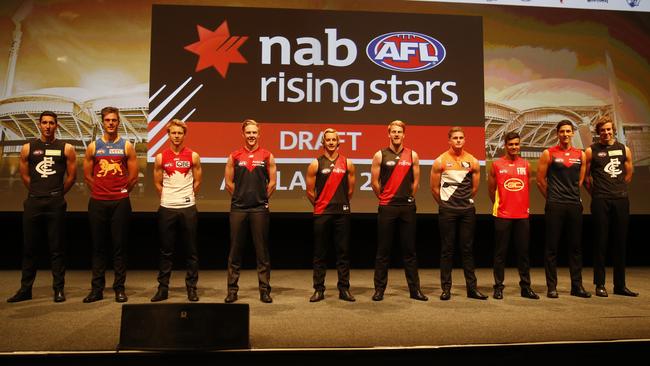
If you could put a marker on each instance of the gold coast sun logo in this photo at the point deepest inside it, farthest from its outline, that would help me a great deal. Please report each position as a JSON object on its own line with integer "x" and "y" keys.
{"x": 513, "y": 184}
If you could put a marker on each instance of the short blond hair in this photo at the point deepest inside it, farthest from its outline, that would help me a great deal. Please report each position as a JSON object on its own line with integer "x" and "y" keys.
{"x": 397, "y": 123}
{"x": 178, "y": 123}
{"x": 248, "y": 122}
{"x": 325, "y": 132}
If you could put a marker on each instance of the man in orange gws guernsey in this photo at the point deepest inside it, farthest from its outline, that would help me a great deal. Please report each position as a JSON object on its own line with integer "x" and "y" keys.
{"x": 330, "y": 182}
{"x": 508, "y": 182}
{"x": 111, "y": 171}
{"x": 250, "y": 178}
{"x": 395, "y": 175}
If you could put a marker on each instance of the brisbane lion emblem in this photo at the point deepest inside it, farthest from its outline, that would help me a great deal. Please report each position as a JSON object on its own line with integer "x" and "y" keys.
{"x": 106, "y": 167}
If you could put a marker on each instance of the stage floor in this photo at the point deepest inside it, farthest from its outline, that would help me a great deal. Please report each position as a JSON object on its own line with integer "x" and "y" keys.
{"x": 291, "y": 322}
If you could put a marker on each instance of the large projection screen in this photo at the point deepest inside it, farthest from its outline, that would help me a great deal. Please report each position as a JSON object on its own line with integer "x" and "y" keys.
{"x": 298, "y": 69}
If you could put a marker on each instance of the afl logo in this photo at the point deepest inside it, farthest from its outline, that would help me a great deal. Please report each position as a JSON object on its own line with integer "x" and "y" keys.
{"x": 406, "y": 51}
{"x": 513, "y": 184}
{"x": 602, "y": 154}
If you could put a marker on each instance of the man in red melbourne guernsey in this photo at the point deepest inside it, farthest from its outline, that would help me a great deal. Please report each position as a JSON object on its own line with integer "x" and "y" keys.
{"x": 330, "y": 183}
{"x": 48, "y": 169}
{"x": 177, "y": 177}
{"x": 508, "y": 182}
{"x": 250, "y": 178}
{"x": 111, "y": 172}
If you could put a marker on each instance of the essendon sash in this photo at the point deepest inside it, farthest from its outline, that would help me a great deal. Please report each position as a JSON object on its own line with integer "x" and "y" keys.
{"x": 333, "y": 181}
{"x": 400, "y": 170}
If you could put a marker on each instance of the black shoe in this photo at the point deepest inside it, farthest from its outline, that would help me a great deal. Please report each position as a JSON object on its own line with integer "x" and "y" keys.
{"x": 601, "y": 291}
{"x": 474, "y": 293}
{"x": 579, "y": 291}
{"x": 625, "y": 292}
{"x": 379, "y": 294}
{"x": 161, "y": 294}
{"x": 21, "y": 296}
{"x": 232, "y": 297}
{"x": 265, "y": 297}
{"x": 345, "y": 295}
{"x": 552, "y": 294}
{"x": 317, "y": 296}
{"x": 418, "y": 295}
{"x": 93, "y": 296}
{"x": 498, "y": 293}
{"x": 445, "y": 295}
{"x": 59, "y": 296}
{"x": 192, "y": 295}
{"x": 120, "y": 296}
{"x": 528, "y": 292}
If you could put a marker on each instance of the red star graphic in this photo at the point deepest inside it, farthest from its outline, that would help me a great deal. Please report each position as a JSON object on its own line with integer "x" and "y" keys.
{"x": 217, "y": 49}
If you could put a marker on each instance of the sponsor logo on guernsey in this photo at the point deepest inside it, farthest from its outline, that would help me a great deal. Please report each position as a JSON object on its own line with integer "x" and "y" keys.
{"x": 521, "y": 171}
{"x": 258, "y": 163}
{"x": 49, "y": 152}
{"x": 465, "y": 164}
{"x": 402, "y": 162}
{"x": 338, "y": 170}
{"x": 116, "y": 151}
{"x": 616, "y": 153}
{"x": 182, "y": 164}
{"x": 406, "y": 51}
{"x": 513, "y": 184}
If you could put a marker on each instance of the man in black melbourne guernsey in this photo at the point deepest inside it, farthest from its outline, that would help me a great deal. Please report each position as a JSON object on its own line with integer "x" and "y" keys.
{"x": 560, "y": 173}
{"x": 330, "y": 184}
{"x": 48, "y": 169}
{"x": 250, "y": 179}
{"x": 609, "y": 171}
{"x": 395, "y": 175}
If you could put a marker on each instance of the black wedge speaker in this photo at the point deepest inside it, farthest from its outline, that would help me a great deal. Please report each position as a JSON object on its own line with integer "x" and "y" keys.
{"x": 184, "y": 327}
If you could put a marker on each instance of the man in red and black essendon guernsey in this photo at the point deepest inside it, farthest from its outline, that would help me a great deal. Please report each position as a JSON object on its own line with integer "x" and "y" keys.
{"x": 508, "y": 182}
{"x": 250, "y": 179}
{"x": 395, "y": 175}
{"x": 330, "y": 183}
{"x": 560, "y": 173}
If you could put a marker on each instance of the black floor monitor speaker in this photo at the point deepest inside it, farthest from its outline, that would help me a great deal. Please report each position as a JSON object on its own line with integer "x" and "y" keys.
{"x": 178, "y": 327}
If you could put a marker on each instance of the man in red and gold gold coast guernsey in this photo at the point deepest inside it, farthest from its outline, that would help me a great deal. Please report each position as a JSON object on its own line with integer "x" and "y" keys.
{"x": 111, "y": 171}
{"x": 455, "y": 176}
{"x": 560, "y": 173}
{"x": 395, "y": 175}
{"x": 250, "y": 179}
{"x": 508, "y": 182}
{"x": 330, "y": 183}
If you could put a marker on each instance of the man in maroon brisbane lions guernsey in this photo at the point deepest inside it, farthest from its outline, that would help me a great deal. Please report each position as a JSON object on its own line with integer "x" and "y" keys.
{"x": 609, "y": 171}
{"x": 48, "y": 169}
{"x": 177, "y": 177}
{"x": 454, "y": 180}
{"x": 111, "y": 171}
{"x": 250, "y": 178}
{"x": 395, "y": 175}
{"x": 560, "y": 172}
{"x": 330, "y": 182}
{"x": 508, "y": 182}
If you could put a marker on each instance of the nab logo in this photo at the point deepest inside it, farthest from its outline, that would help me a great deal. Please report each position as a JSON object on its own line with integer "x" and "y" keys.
{"x": 217, "y": 49}
{"x": 406, "y": 51}
{"x": 513, "y": 184}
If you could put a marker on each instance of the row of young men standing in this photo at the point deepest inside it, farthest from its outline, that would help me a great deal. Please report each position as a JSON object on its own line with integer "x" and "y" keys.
{"x": 250, "y": 179}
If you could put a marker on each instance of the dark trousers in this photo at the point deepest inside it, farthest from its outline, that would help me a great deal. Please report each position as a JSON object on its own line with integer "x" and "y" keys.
{"x": 109, "y": 225}
{"x": 175, "y": 224}
{"x": 519, "y": 231}
{"x": 404, "y": 219}
{"x": 457, "y": 224}
{"x": 563, "y": 223}
{"x": 43, "y": 217}
{"x": 257, "y": 224}
{"x": 336, "y": 228}
{"x": 611, "y": 218}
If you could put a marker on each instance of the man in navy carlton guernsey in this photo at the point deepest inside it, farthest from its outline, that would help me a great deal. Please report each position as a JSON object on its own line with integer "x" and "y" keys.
{"x": 330, "y": 183}
{"x": 560, "y": 173}
{"x": 111, "y": 171}
{"x": 44, "y": 163}
{"x": 395, "y": 175}
{"x": 608, "y": 172}
{"x": 250, "y": 178}
{"x": 177, "y": 177}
